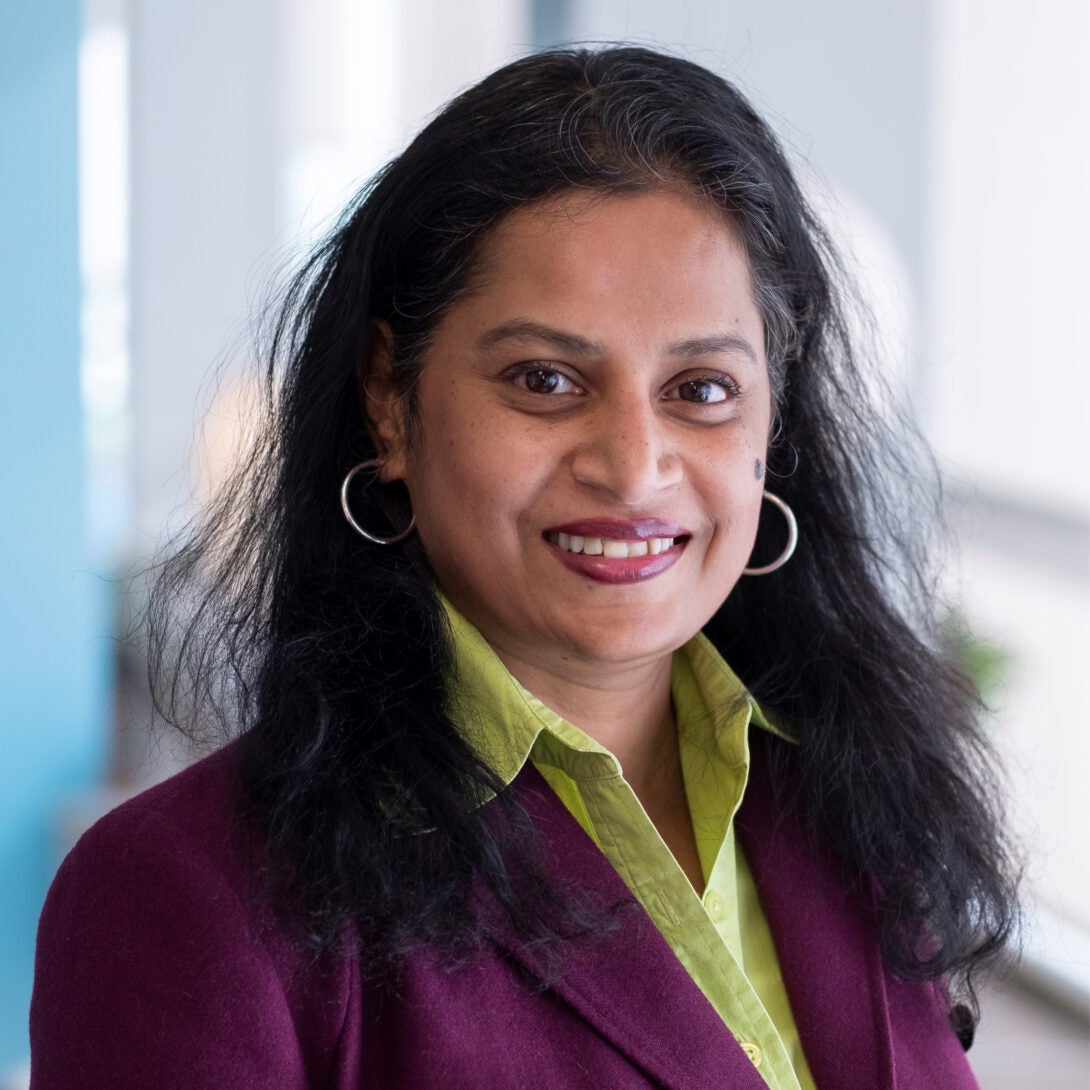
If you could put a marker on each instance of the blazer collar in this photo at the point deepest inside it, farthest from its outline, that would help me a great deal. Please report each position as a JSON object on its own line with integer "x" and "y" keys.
{"x": 628, "y": 983}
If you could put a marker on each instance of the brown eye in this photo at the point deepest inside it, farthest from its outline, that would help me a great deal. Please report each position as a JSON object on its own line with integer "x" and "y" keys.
{"x": 542, "y": 382}
{"x": 545, "y": 380}
{"x": 704, "y": 391}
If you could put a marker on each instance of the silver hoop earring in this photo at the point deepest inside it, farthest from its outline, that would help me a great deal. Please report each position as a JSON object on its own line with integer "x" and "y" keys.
{"x": 371, "y": 463}
{"x": 792, "y": 538}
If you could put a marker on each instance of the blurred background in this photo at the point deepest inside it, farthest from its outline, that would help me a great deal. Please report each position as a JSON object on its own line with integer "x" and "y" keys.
{"x": 162, "y": 163}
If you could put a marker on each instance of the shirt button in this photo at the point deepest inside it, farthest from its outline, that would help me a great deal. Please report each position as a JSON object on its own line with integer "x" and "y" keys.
{"x": 753, "y": 1052}
{"x": 714, "y": 904}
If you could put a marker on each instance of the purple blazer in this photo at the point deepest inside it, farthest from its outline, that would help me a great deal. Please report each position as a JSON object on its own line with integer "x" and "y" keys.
{"x": 156, "y": 968}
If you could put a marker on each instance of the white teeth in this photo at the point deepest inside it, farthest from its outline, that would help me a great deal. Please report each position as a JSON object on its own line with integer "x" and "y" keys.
{"x": 614, "y": 550}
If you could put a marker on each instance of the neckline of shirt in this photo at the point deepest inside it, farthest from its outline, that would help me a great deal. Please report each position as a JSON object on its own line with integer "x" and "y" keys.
{"x": 505, "y": 722}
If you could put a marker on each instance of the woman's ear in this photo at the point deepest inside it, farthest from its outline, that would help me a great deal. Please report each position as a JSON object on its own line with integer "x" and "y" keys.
{"x": 384, "y": 407}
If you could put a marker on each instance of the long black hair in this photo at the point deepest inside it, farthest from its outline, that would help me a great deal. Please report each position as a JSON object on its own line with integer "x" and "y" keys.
{"x": 330, "y": 653}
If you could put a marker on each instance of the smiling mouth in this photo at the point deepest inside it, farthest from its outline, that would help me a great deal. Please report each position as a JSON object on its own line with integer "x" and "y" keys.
{"x": 612, "y": 548}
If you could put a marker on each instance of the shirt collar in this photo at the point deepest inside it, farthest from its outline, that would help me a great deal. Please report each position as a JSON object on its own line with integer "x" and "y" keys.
{"x": 505, "y": 722}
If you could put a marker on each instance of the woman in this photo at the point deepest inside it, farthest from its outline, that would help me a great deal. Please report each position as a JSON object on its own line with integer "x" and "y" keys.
{"x": 543, "y": 414}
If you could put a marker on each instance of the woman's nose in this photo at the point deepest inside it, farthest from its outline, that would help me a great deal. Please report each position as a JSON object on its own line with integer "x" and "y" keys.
{"x": 627, "y": 452}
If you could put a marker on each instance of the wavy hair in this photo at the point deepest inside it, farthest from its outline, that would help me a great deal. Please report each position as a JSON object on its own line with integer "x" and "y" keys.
{"x": 330, "y": 653}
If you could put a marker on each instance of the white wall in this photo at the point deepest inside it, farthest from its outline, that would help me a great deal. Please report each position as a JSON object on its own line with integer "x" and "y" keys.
{"x": 1010, "y": 278}
{"x": 1009, "y": 394}
{"x": 206, "y": 149}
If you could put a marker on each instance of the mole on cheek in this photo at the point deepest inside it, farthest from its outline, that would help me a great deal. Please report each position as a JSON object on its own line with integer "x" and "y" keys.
{"x": 758, "y": 469}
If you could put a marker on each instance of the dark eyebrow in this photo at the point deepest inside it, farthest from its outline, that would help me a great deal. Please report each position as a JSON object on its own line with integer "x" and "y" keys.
{"x": 573, "y": 344}
{"x": 721, "y": 342}
{"x": 525, "y": 330}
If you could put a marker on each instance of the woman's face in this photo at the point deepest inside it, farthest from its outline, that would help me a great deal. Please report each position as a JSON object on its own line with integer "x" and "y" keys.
{"x": 586, "y": 464}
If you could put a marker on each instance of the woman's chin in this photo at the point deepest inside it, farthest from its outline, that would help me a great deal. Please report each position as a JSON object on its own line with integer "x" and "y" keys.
{"x": 605, "y": 644}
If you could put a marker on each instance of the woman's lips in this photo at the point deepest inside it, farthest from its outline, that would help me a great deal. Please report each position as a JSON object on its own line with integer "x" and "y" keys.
{"x": 617, "y": 550}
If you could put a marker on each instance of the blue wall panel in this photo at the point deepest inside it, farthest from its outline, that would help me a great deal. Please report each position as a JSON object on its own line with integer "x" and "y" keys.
{"x": 53, "y": 645}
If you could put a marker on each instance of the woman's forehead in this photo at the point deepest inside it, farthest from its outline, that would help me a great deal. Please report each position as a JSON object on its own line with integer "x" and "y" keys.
{"x": 642, "y": 227}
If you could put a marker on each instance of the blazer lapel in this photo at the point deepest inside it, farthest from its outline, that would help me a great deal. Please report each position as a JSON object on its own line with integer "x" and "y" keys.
{"x": 627, "y": 984}
{"x": 826, "y": 942}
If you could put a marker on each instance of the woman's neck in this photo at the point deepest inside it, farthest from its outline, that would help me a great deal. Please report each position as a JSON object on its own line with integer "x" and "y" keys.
{"x": 626, "y": 709}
